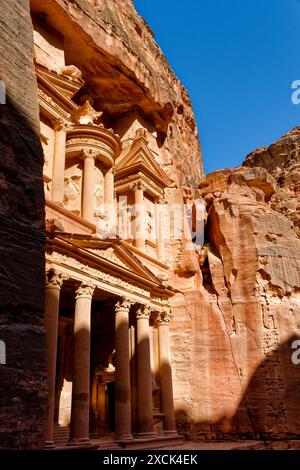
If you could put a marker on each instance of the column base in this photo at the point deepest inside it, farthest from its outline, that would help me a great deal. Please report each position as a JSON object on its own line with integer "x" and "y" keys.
{"x": 145, "y": 435}
{"x": 171, "y": 433}
{"x": 124, "y": 437}
{"x": 79, "y": 442}
{"x": 49, "y": 445}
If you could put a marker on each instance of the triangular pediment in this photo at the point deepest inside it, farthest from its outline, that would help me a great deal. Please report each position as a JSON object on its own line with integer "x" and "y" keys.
{"x": 141, "y": 159}
{"x": 58, "y": 86}
{"x": 113, "y": 254}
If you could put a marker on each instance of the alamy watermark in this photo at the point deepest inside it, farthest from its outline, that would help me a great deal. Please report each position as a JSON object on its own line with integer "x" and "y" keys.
{"x": 2, "y": 92}
{"x": 2, "y": 352}
{"x": 296, "y": 354}
{"x": 295, "y": 97}
{"x": 161, "y": 221}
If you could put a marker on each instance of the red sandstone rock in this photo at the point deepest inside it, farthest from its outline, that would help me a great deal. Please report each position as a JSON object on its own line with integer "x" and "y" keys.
{"x": 247, "y": 317}
{"x": 237, "y": 306}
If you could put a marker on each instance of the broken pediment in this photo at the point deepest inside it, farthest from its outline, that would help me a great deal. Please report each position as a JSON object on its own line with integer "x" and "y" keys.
{"x": 58, "y": 87}
{"x": 140, "y": 159}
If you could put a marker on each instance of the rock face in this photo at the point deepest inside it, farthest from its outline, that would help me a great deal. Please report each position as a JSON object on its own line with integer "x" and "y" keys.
{"x": 126, "y": 71}
{"x": 23, "y": 388}
{"x": 282, "y": 160}
{"x": 242, "y": 323}
{"x": 236, "y": 313}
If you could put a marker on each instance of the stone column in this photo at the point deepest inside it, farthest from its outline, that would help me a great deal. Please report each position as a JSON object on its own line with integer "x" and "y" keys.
{"x": 144, "y": 377}
{"x": 59, "y": 157}
{"x": 88, "y": 185}
{"x": 79, "y": 429}
{"x": 122, "y": 374}
{"x": 159, "y": 222}
{"x": 133, "y": 362}
{"x": 109, "y": 188}
{"x": 109, "y": 196}
{"x": 139, "y": 222}
{"x": 52, "y": 295}
{"x": 165, "y": 372}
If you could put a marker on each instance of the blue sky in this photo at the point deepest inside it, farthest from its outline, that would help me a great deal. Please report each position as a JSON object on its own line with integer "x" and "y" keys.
{"x": 237, "y": 58}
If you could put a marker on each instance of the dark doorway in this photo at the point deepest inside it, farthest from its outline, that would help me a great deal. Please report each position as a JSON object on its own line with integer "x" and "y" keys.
{"x": 110, "y": 406}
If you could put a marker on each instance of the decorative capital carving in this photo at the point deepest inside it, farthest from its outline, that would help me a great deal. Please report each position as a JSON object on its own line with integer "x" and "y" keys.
{"x": 123, "y": 304}
{"x": 144, "y": 311}
{"x": 164, "y": 316}
{"x": 61, "y": 125}
{"x": 138, "y": 185}
{"x": 85, "y": 291}
{"x": 54, "y": 280}
{"x": 160, "y": 200}
{"x": 88, "y": 154}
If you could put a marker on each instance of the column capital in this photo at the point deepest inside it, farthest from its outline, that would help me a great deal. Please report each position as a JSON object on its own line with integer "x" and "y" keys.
{"x": 160, "y": 201}
{"x": 61, "y": 124}
{"x": 123, "y": 304}
{"x": 138, "y": 186}
{"x": 108, "y": 170}
{"x": 54, "y": 280}
{"x": 85, "y": 291}
{"x": 88, "y": 154}
{"x": 144, "y": 311}
{"x": 165, "y": 316}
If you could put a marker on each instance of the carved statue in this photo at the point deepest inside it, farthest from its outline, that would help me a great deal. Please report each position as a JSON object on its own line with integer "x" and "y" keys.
{"x": 125, "y": 225}
{"x": 98, "y": 194}
{"x": 72, "y": 194}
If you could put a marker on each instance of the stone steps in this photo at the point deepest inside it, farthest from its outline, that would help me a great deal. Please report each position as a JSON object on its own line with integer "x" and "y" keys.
{"x": 153, "y": 443}
{"x": 60, "y": 435}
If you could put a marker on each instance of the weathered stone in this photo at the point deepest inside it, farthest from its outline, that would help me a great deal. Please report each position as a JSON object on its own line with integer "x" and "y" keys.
{"x": 23, "y": 393}
{"x": 282, "y": 160}
{"x": 243, "y": 326}
{"x": 234, "y": 314}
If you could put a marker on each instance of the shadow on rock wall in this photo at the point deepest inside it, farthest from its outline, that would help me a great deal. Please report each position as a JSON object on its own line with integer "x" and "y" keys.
{"x": 269, "y": 408}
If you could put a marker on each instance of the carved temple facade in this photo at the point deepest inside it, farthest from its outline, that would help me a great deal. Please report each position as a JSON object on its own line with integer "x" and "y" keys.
{"x": 107, "y": 298}
{"x": 171, "y": 299}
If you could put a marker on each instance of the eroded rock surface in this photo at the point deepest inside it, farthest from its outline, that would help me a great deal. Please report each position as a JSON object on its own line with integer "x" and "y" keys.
{"x": 23, "y": 387}
{"x": 282, "y": 160}
{"x": 243, "y": 321}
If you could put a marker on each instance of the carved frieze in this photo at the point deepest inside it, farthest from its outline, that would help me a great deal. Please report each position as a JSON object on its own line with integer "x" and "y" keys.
{"x": 73, "y": 263}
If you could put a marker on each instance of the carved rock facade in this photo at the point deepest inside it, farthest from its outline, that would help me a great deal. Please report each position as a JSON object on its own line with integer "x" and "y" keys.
{"x": 171, "y": 301}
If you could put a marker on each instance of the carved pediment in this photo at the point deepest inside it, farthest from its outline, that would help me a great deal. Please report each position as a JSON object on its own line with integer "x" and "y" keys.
{"x": 110, "y": 254}
{"x": 113, "y": 254}
{"x": 140, "y": 159}
{"x": 59, "y": 87}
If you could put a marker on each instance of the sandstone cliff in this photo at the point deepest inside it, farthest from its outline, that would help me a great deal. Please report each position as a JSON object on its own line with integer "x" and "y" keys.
{"x": 23, "y": 388}
{"x": 242, "y": 322}
{"x": 282, "y": 160}
{"x": 237, "y": 312}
